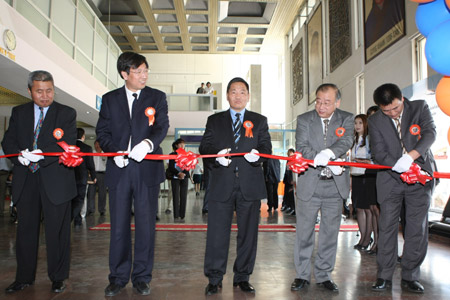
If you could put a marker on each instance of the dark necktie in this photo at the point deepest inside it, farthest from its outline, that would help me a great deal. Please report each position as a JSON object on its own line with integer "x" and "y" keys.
{"x": 133, "y": 106}
{"x": 237, "y": 128}
{"x": 399, "y": 132}
{"x": 34, "y": 166}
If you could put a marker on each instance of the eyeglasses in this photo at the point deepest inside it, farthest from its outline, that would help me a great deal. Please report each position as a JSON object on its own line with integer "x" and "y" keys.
{"x": 140, "y": 71}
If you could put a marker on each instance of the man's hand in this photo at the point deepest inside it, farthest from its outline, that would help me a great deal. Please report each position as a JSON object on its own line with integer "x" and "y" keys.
{"x": 252, "y": 157}
{"x": 403, "y": 164}
{"x": 322, "y": 158}
{"x": 223, "y": 160}
{"x": 139, "y": 151}
{"x": 121, "y": 161}
{"x": 33, "y": 155}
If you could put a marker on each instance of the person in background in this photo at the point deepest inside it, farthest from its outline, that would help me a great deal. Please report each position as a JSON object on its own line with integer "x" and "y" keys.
{"x": 196, "y": 176}
{"x": 133, "y": 121}
{"x": 180, "y": 183}
{"x": 236, "y": 185}
{"x": 5, "y": 170}
{"x": 81, "y": 177}
{"x": 396, "y": 141}
{"x": 201, "y": 89}
{"x": 41, "y": 185}
{"x": 272, "y": 178}
{"x": 100, "y": 168}
{"x": 323, "y": 134}
{"x": 289, "y": 188}
{"x": 209, "y": 89}
{"x": 362, "y": 197}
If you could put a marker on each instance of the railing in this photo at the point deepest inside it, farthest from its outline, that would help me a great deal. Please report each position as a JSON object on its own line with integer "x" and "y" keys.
{"x": 192, "y": 102}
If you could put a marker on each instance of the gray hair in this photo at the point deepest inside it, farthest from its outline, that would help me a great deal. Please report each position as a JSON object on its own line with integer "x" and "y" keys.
{"x": 39, "y": 75}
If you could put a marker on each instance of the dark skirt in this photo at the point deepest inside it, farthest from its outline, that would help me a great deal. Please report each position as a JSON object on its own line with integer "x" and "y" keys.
{"x": 364, "y": 192}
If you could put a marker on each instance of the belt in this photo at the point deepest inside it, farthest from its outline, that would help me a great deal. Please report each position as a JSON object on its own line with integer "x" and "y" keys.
{"x": 100, "y": 172}
{"x": 325, "y": 178}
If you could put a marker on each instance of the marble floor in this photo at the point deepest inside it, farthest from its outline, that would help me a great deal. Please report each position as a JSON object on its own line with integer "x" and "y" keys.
{"x": 178, "y": 270}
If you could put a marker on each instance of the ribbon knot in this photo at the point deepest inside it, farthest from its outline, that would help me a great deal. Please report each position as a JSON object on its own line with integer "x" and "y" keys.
{"x": 415, "y": 174}
{"x": 186, "y": 160}
{"x": 70, "y": 157}
{"x": 297, "y": 163}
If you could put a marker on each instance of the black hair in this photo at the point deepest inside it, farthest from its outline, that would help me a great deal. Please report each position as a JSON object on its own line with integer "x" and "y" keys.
{"x": 80, "y": 133}
{"x": 129, "y": 60}
{"x": 371, "y": 110}
{"x": 386, "y": 94}
{"x": 237, "y": 79}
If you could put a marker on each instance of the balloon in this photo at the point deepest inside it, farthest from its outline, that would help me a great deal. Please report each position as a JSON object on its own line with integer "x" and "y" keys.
{"x": 437, "y": 49}
{"x": 443, "y": 95}
{"x": 448, "y": 3}
{"x": 430, "y": 15}
{"x": 423, "y": 1}
{"x": 448, "y": 135}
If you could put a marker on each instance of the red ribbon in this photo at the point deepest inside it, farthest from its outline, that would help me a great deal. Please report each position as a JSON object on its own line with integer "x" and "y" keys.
{"x": 186, "y": 160}
{"x": 415, "y": 174}
{"x": 70, "y": 157}
{"x": 297, "y": 163}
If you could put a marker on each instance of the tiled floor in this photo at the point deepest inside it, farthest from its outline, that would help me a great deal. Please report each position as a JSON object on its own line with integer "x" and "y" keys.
{"x": 178, "y": 270}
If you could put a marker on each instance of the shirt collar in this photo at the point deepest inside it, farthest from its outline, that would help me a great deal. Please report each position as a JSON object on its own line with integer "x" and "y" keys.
{"x": 130, "y": 93}
{"x": 233, "y": 114}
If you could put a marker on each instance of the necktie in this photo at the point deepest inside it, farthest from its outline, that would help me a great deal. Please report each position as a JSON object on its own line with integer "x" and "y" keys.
{"x": 34, "y": 166}
{"x": 133, "y": 106}
{"x": 325, "y": 131}
{"x": 399, "y": 132}
{"x": 237, "y": 128}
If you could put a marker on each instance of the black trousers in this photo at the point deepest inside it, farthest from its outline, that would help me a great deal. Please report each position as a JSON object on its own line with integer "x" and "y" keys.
{"x": 101, "y": 195}
{"x": 78, "y": 202}
{"x": 32, "y": 203}
{"x": 220, "y": 215}
{"x": 179, "y": 196}
{"x": 272, "y": 194}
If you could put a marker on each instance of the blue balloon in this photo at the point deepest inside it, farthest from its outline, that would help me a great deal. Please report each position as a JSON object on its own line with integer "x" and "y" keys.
{"x": 437, "y": 48}
{"x": 429, "y": 15}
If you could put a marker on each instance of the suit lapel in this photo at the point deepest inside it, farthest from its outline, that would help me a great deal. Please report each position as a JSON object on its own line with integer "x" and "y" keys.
{"x": 29, "y": 123}
{"x": 123, "y": 103}
{"x": 48, "y": 124}
{"x": 317, "y": 129}
{"x": 228, "y": 123}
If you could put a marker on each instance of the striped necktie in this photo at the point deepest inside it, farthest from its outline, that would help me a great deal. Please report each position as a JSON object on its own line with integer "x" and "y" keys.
{"x": 237, "y": 128}
{"x": 34, "y": 166}
{"x": 399, "y": 132}
{"x": 325, "y": 131}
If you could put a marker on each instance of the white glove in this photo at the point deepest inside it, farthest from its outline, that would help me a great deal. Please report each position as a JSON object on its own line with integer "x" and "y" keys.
{"x": 403, "y": 164}
{"x": 223, "y": 160}
{"x": 23, "y": 160}
{"x": 336, "y": 170}
{"x": 323, "y": 157}
{"x": 32, "y": 156}
{"x": 139, "y": 151}
{"x": 252, "y": 157}
{"x": 121, "y": 161}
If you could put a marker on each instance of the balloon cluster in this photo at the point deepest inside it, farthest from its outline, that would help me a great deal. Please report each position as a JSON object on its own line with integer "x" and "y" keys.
{"x": 433, "y": 21}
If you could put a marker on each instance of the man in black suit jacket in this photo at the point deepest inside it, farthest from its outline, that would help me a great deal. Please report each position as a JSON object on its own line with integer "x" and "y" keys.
{"x": 40, "y": 183}
{"x": 133, "y": 121}
{"x": 235, "y": 185}
{"x": 81, "y": 177}
{"x": 388, "y": 147}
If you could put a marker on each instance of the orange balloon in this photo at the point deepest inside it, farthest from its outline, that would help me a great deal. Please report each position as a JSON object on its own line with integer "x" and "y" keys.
{"x": 448, "y": 3}
{"x": 448, "y": 135}
{"x": 424, "y": 1}
{"x": 443, "y": 95}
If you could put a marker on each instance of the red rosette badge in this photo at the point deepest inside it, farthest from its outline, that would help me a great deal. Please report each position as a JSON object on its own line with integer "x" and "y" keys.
{"x": 340, "y": 131}
{"x": 58, "y": 133}
{"x": 415, "y": 130}
{"x": 248, "y": 125}
{"x": 150, "y": 113}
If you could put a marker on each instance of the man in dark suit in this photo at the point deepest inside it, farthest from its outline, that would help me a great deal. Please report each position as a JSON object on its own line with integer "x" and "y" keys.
{"x": 41, "y": 184}
{"x": 323, "y": 134}
{"x": 272, "y": 176}
{"x": 235, "y": 185}
{"x": 133, "y": 120}
{"x": 394, "y": 142}
{"x": 81, "y": 177}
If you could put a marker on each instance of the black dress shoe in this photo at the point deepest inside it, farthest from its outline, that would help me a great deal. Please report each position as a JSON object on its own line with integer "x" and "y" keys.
{"x": 112, "y": 289}
{"x": 142, "y": 288}
{"x": 212, "y": 289}
{"x": 298, "y": 284}
{"x": 16, "y": 286}
{"x": 413, "y": 286}
{"x": 58, "y": 286}
{"x": 381, "y": 284}
{"x": 329, "y": 285}
{"x": 245, "y": 286}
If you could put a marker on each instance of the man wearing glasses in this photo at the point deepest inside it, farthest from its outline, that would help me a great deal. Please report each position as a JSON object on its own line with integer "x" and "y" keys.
{"x": 133, "y": 121}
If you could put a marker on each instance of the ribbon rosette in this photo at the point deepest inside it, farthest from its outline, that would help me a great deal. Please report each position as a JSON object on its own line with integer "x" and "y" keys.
{"x": 297, "y": 163}
{"x": 415, "y": 174}
{"x": 340, "y": 131}
{"x": 186, "y": 160}
{"x": 69, "y": 157}
{"x": 415, "y": 130}
{"x": 248, "y": 125}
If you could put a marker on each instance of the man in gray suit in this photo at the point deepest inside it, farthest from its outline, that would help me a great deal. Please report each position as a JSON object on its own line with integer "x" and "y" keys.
{"x": 323, "y": 134}
{"x": 401, "y": 133}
